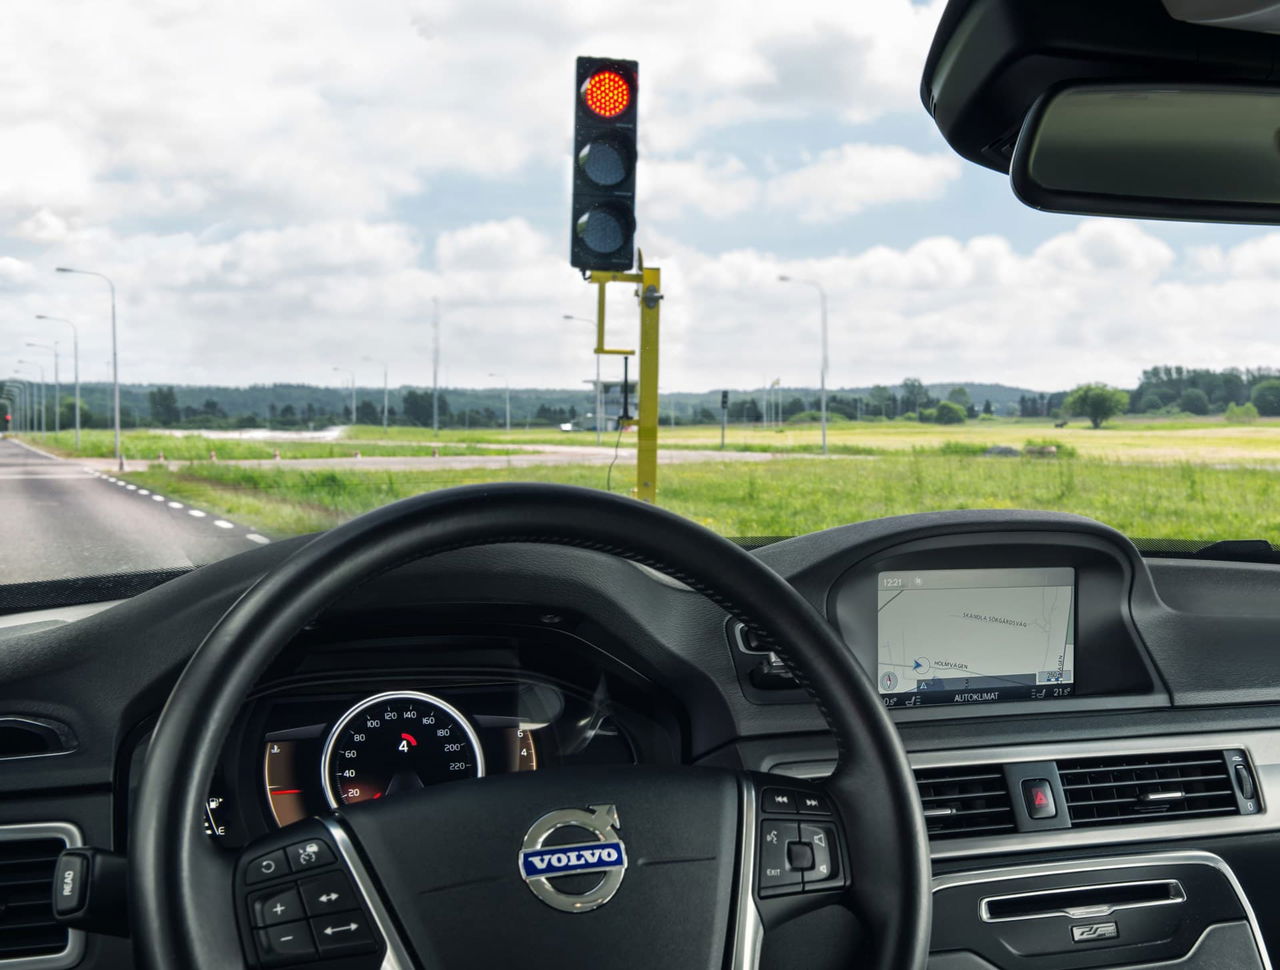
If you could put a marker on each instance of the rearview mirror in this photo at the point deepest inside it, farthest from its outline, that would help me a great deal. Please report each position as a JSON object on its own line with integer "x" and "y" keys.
{"x": 1204, "y": 152}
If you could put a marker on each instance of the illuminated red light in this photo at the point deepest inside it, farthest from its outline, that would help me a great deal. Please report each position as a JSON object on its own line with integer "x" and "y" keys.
{"x": 607, "y": 93}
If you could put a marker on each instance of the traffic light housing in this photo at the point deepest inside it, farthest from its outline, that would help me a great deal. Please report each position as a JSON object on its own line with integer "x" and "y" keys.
{"x": 603, "y": 230}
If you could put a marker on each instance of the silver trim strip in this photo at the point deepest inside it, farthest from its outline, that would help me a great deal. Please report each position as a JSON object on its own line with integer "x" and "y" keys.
{"x": 397, "y": 957}
{"x": 1188, "y": 857}
{"x": 37, "y": 722}
{"x": 1263, "y": 748}
{"x": 748, "y": 930}
{"x": 72, "y": 953}
{"x": 1176, "y": 895}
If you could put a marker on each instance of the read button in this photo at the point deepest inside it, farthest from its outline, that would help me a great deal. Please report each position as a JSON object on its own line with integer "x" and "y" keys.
{"x": 1037, "y": 795}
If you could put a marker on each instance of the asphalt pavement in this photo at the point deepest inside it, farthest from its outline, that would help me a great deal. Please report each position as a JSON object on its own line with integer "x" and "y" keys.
{"x": 61, "y": 519}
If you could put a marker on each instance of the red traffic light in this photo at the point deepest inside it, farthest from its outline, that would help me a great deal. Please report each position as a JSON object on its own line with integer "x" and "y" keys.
{"x": 607, "y": 93}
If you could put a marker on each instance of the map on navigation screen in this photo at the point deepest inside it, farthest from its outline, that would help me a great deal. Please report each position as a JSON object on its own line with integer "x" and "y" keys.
{"x": 956, "y": 636}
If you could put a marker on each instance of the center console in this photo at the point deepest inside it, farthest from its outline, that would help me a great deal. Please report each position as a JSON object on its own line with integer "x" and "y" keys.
{"x": 1164, "y": 910}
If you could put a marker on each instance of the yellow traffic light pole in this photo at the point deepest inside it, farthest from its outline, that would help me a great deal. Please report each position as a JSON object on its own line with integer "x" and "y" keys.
{"x": 649, "y": 295}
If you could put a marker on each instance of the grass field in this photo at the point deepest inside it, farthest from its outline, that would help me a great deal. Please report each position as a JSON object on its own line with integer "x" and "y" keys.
{"x": 791, "y": 496}
{"x": 1175, "y": 440}
{"x": 1176, "y": 478}
{"x": 148, "y": 446}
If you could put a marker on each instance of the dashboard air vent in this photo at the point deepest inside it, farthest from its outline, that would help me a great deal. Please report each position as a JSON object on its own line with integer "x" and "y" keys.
{"x": 1147, "y": 788}
{"x": 27, "y": 926}
{"x": 965, "y": 800}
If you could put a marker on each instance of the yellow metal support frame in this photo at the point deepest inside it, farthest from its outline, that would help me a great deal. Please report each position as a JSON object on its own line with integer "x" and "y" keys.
{"x": 649, "y": 295}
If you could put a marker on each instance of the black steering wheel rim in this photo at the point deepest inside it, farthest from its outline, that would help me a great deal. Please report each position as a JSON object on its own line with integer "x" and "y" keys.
{"x": 180, "y": 902}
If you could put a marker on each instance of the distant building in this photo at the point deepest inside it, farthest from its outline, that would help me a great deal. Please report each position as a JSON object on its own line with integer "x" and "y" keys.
{"x": 611, "y": 410}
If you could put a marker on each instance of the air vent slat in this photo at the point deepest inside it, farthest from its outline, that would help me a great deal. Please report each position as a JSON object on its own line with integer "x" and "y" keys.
{"x": 965, "y": 800}
{"x": 27, "y": 924}
{"x": 1123, "y": 789}
{"x": 1171, "y": 782}
{"x": 1131, "y": 763}
{"x": 986, "y": 792}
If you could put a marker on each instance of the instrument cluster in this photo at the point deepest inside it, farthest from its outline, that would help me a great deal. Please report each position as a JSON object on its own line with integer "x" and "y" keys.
{"x": 317, "y": 750}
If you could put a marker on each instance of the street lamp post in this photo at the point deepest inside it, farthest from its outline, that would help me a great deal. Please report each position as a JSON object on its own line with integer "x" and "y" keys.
{"x": 14, "y": 385}
{"x": 75, "y": 363}
{"x": 19, "y": 403}
{"x": 57, "y": 384}
{"x": 115, "y": 358}
{"x": 384, "y": 389}
{"x": 507, "y": 384}
{"x": 435, "y": 365}
{"x": 40, "y": 367}
{"x": 599, "y": 398}
{"x": 822, "y": 301}
{"x": 352, "y": 374}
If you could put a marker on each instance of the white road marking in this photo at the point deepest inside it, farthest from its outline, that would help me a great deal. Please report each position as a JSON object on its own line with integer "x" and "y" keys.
{"x": 196, "y": 512}
{"x": 223, "y": 524}
{"x": 132, "y": 488}
{"x": 175, "y": 505}
{"x": 260, "y": 540}
{"x": 157, "y": 498}
{"x": 143, "y": 491}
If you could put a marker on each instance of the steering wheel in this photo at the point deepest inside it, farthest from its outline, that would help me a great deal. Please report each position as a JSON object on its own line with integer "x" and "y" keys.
{"x": 606, "y": 867}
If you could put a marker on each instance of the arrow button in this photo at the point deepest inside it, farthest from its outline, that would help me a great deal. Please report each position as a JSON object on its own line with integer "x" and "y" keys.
{"x": 343, "y": 933}
{"x": 330, "y": 893}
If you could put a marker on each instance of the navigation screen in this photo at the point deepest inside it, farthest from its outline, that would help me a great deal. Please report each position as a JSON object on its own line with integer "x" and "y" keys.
{"x": 961, "y": 636}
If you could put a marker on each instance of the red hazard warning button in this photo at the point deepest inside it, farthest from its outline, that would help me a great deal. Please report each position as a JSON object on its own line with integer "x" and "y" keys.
{"x": 1037, "y": 795}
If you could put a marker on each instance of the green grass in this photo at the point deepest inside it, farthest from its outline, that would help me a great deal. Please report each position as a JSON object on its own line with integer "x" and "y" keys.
{"x": 1140, "y": 438}
{"x": 787, "y": 497}
{"x": 148, "y": 446}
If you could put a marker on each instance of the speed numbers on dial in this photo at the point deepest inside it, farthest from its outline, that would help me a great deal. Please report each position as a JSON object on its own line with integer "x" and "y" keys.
{"x": 398, "y": 742}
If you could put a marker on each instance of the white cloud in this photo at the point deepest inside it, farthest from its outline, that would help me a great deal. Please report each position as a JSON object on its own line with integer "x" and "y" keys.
{"x": 843, "y": 181}
{"x": 296, "y": 110}
{"x": 839, "y": 183}
{"x": 1099, "y": 302}
{"x": 703, "y": 185}
{"x": 245, "y": 176}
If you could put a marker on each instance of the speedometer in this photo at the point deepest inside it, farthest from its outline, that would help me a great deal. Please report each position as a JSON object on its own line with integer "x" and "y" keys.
{"x": 397, "y": 742}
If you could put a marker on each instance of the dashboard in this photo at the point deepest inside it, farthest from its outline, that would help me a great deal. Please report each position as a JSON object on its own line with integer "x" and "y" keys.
{"x": 345, "y": 720}
{"x": 1007, "y": 647}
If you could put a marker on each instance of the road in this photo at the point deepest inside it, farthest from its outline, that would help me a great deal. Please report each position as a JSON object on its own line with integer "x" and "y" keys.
{"x": 60, "y": 519}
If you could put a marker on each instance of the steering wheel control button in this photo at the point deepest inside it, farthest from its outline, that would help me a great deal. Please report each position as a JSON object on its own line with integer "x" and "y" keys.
{"x": 822, "y": 840}
{"x": 811, "y": 803}
{"x": 329, "y": 893}
{"x": 1037, "y": 795}
{"x": 343, "y": 933}
{"x": 799, "y": 856}
{"x": 775, "y": 873}
{"x": 276, "y": 906}
{"x": 285, "y": 944}
{"x": 778, "y": 800}
{"x": 269, "y": 866}
{"x": 312, "y": 854}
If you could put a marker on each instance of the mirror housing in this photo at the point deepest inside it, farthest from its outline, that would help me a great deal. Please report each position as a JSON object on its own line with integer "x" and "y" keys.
{"x": 1201, "y": 152}
{"x": 991, "y": 60}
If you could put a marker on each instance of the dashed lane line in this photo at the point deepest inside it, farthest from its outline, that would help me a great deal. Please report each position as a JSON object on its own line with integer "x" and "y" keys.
{"x": 253, "y": 537}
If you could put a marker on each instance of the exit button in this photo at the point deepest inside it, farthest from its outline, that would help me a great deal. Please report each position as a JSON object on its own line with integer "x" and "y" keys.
{"x": 1037, "y": 795}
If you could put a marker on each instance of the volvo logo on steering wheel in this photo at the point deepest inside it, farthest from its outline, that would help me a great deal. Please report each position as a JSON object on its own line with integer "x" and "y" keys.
{"x": 599, "y": 852}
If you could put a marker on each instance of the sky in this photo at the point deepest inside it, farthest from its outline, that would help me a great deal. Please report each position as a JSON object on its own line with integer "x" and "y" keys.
{"x": 284, "y": 188}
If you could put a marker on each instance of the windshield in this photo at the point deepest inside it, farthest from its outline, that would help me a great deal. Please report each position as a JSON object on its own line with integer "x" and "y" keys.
{"x": 268, "y": 268}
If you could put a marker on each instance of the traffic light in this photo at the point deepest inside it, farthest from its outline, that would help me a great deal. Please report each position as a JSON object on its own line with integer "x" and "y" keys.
{"x": 604, "y": 165}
